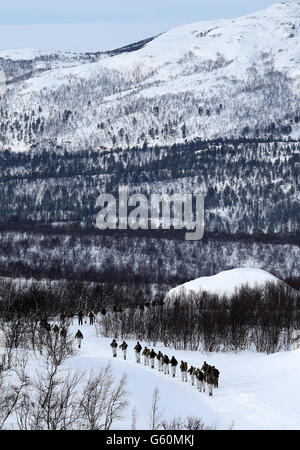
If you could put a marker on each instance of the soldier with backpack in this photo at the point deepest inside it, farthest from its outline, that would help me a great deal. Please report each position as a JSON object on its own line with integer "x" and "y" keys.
{"x": 191, "y": 372}
{"x": 216, "y": 374}
{"x": 123, "y": 347}
{"x": 145, "y": 355}
{"x": 200, "y": 380}
{"x": 166, "y": 364}
{"x": 92, "y": 318}
{"x": 183, "y": 368}
{"x": 204, "y": 367}
{"x": 79, "y": 337}
{"x": 148, "y": 351}
{"x": 209, "y": 380}
{"x": 159, "y": 358}
{"x": 173, "y": 363}
{"x": 114, "y": 347}
{"x": 138, "y": 349}
{"x": 152, "y": 358}
{"x": 80, "y": 317}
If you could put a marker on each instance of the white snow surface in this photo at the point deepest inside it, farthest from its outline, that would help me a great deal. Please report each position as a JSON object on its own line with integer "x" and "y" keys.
{"x": 226, "y": 282}
{"x": 256, "y": 391}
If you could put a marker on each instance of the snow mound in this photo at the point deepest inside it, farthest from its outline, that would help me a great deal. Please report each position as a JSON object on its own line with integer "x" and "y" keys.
{"x": 225, "y": 283}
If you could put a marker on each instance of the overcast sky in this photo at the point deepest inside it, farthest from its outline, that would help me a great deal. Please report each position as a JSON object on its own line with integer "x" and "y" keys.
{"x": 92, "y": 25}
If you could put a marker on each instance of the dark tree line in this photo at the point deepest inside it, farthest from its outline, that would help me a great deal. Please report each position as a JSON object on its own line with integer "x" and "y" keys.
{"x": 253, "y": 181}
{"x": 140, "y": 257}
{"x": 261, "y": 318}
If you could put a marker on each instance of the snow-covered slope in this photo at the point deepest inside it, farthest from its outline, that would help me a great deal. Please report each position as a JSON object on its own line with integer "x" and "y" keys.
{"x": 225, "y": 283}
{"x": 256, "y": 391}
{"x": 206, "y": 79}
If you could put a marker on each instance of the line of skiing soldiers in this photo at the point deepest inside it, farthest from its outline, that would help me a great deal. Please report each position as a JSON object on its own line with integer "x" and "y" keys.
{"x": 82, "y": 316}
{"x": 46, "y": 326}
{"x": 85, "y": 315}
{"x": 206, "y": 376}
{"x": 123, "y": 347}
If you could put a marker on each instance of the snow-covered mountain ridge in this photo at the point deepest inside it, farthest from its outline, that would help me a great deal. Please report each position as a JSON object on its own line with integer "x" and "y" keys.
{"x": 202, "y": 80}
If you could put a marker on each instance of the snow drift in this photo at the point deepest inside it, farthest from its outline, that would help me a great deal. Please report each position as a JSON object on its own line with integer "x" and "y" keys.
{"x": 225, "y": 283}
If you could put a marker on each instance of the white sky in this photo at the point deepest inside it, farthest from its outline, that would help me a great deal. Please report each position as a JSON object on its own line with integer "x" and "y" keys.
{"x": 91, "y": 25}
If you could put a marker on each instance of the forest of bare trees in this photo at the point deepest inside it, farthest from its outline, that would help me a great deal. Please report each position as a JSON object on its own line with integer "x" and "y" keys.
{"x": 262, "y": 318}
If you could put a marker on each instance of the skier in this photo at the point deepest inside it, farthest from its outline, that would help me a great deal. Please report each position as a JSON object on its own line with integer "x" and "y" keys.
{"x": 138, "y": 349}
{"x": 191, "y": 372}
{"x": 55, "y": 329}
{"x": 209, "y": 380}
{"x": 80, "y": 317}
{"x": 173, "y": 363}
{"x": 216, "y": 374}
{"x": 159, "y": 358}
{"x": 204, "y": 367}
{"x": 79, "y": 337}
{"x": 145, "y": 355}
{"x": 166, "y": 364}
{"x": 152, "y": 358}
{"x": 92, "y": 318}
{"x": 200, "y": 380}
{"x": 114, "y": 347}
{"x": 183, "y": 368}
{"x": 148, "y": 352}
{"x": 123, "y": 347}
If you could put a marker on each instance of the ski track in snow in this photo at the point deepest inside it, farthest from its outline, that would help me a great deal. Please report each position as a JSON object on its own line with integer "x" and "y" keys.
{"x": 257, "y": 391}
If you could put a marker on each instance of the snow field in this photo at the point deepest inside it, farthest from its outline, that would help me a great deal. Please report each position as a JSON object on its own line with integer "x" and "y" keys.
{"x": 256, "y": 391}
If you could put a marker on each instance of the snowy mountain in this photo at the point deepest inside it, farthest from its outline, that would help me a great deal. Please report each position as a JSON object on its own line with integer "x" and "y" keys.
{"x": 202, "y": 80}
{"x": 226, "y": 282}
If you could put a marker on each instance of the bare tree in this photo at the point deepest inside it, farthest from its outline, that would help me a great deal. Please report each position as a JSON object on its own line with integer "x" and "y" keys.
{"x": 52, "y": 403}
{"x": 189, "y": 423}
{"x": 103, "y": 401}
{"x": 11, "y": 391}
{"x": 117, "y": 403}
{"x": 56, "y": 348}
{"x": 133, "y": 419}
{"x": 177, "y": 423}
{"x": 155, "y": 413}
{"x": 195, "y": 423}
